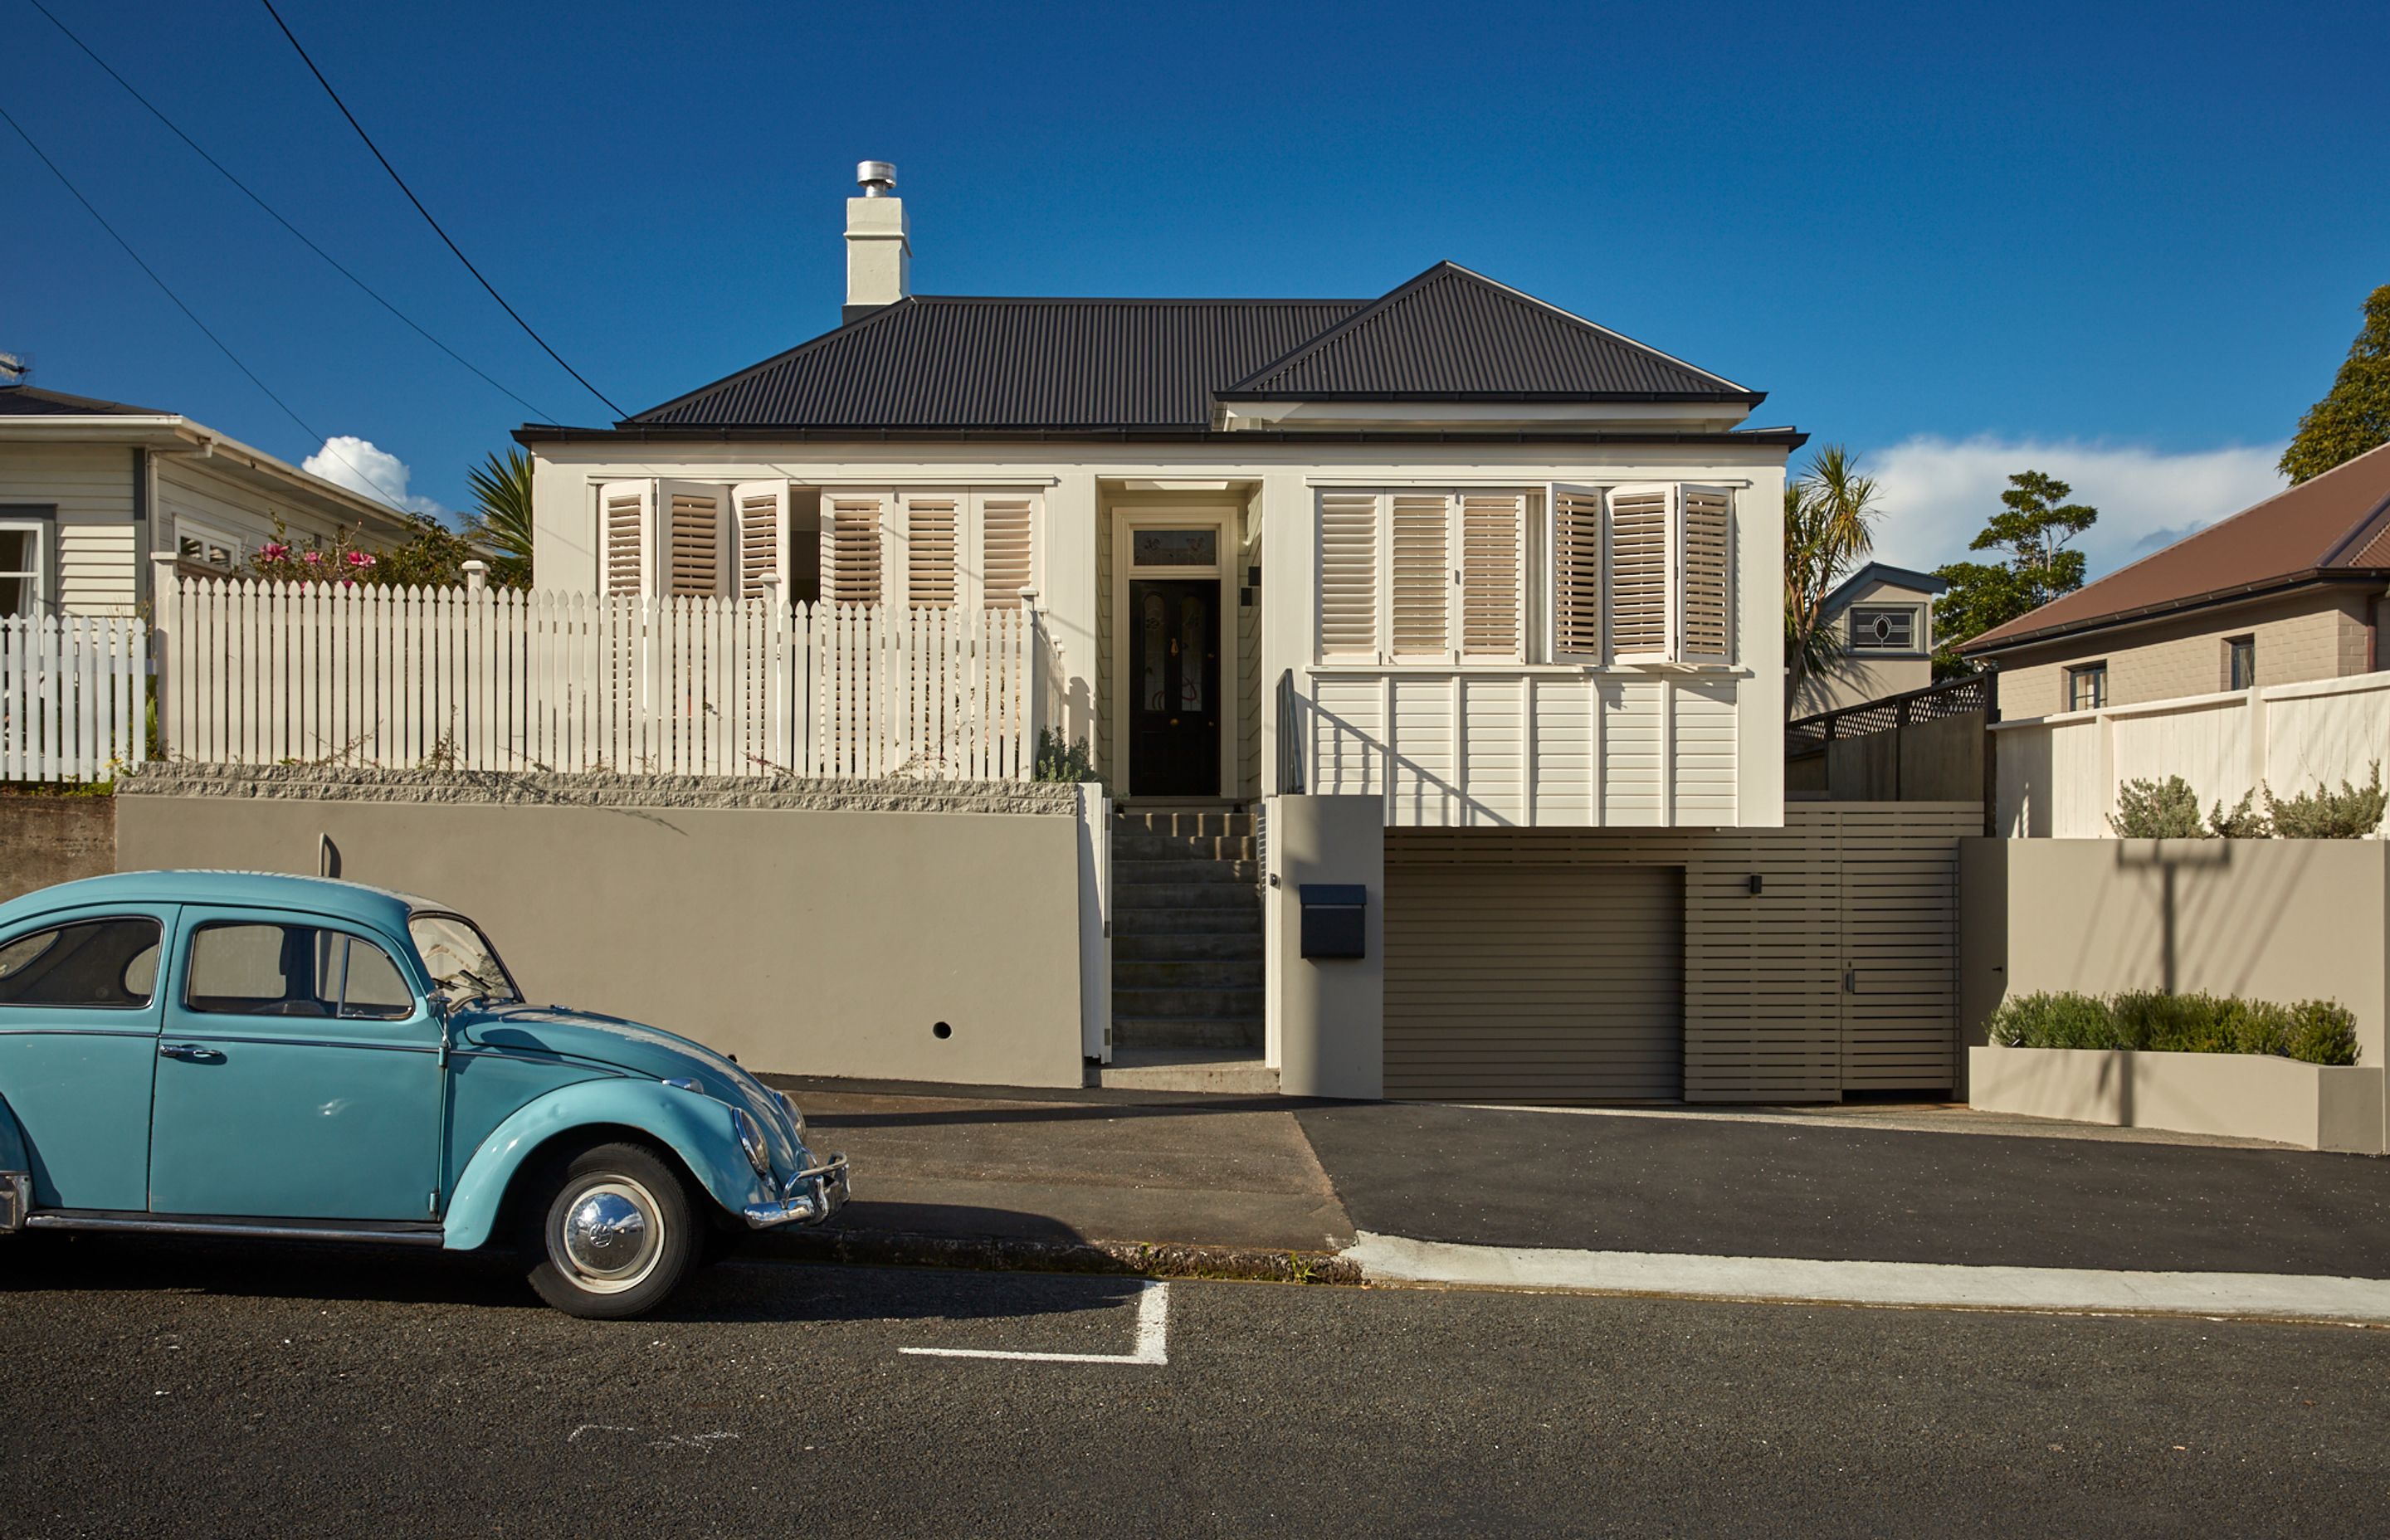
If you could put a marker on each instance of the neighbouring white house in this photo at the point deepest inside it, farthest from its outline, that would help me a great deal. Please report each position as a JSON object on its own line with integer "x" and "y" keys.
{"x": 1881, "y": 622}
{"x": 91, "y": 490}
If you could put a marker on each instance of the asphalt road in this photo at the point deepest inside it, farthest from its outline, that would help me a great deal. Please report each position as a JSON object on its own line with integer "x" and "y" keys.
{"x": 151, "y": 1387}
{"x": 1507, "y": 1177}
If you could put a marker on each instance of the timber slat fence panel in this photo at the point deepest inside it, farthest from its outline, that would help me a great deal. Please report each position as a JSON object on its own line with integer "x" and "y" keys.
{"x": 261, "y": 673}
{"x": 73, "y": 690}
{"x": 2059, "y": 776}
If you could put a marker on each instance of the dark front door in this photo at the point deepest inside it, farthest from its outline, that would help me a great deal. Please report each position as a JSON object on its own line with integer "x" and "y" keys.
{"x": 1173, "y": 674}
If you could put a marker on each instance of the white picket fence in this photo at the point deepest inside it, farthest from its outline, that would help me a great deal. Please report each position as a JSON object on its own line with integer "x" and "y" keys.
{"x": 71, "y": 696}
{"x": 2059, "y": 776}
{"x": 259, "y": 673}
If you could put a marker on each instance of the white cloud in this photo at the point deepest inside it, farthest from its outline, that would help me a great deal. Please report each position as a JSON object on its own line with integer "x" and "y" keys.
{"x": 1937, "y": 493}
{"x": 355, "y": 463}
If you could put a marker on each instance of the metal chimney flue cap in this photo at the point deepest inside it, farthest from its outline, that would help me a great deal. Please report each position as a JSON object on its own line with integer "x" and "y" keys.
{"x": 877, "y": 177}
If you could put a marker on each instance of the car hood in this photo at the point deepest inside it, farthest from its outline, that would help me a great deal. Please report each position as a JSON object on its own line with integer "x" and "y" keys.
{"x": 634, "y": 1049}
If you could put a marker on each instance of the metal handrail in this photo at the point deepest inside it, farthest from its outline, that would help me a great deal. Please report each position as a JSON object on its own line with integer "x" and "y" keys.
{"x": 1290, "y": 736}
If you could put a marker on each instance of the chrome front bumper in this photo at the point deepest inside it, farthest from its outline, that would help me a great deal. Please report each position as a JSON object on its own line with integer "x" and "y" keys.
{"x": 807, "y": 1197}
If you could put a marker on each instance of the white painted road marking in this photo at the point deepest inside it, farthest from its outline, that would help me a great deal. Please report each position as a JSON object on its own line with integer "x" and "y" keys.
{"x": 1153, "y": 1333}
{"x": 2276, "y": 1296}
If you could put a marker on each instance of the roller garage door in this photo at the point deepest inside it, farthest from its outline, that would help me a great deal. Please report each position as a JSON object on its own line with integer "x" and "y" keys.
{"x": 1551, "y": 983}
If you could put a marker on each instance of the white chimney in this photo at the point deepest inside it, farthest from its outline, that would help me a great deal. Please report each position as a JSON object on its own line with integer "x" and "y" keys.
{"x": 879, "y": 243}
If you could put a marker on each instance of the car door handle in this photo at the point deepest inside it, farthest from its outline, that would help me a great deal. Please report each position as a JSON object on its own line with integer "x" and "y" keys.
{"x": 190, "y": 1053}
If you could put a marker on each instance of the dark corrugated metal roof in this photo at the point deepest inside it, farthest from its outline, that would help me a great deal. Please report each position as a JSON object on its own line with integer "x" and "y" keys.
{"x": 31, "y": 401}
{"x": 956, "y": 362}
{"x": 937, "y": 361}
{"x": 1453, "y": 335}
{"x": 2333, "y": 528}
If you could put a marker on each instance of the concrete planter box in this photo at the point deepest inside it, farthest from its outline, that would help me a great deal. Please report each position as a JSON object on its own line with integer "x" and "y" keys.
{"x": 2247, "y": 1095}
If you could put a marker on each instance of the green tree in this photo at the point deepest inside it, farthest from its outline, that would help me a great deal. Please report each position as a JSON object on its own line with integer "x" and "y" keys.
{"x": 501, "y": 520}
{"x": 2033, "y": 528}
{"x": 2354, "y": 415}
{"x": 1829, "y": 514}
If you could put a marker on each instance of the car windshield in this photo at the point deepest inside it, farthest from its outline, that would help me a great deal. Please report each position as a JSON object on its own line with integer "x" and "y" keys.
{"x": 462, "y": 962}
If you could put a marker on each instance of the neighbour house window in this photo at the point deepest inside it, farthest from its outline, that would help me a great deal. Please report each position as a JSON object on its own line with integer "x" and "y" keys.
{"x": 1635, "y": 574}
{"x": 928, "y": 548}
{"x": 92, "y": 964}
{"x": 211, "y": 550}
{"x": 2087, "y": 687}
{"x": 1884, "y": 629}
{"x": 250, "y": 969}
{"x": 20, "y": 569}
{"x": 2241, "y": 662}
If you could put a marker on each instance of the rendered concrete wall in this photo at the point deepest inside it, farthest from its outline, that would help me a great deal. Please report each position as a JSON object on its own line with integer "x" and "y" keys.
{"x": 50, "y": 839}
{"x": 1326, "y": 1016}
{"x": 2266, "y": 919}
{"x": 2245, "y": 1096}
{"x": 803, "y": 937}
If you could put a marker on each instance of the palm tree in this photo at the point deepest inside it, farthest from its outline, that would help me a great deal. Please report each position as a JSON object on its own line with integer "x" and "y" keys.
{"x": 1830, "y": 513}
{"x": 501, "y": 521}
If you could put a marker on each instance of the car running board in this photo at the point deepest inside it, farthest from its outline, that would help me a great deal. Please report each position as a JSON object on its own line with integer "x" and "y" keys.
{"x": 375, "y": 1231}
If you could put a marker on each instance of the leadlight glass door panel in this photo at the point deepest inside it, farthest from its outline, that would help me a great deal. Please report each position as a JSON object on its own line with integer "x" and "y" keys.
{"x": 1174, "y": 676}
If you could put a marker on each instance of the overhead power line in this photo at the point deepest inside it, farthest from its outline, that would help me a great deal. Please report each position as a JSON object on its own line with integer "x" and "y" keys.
{"x": 277, "y": 215}
{"x": 427, "y": 213}
{"x": 166, "y": 290}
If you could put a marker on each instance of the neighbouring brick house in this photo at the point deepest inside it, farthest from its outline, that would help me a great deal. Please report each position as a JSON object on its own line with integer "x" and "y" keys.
{"x": 2286, "y": 591}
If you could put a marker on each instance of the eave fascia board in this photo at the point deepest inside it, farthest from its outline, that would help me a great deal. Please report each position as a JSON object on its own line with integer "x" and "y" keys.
{"x": 2149, "y": 614}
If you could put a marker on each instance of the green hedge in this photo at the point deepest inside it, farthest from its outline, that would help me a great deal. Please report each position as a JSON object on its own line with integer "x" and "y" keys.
{"x": 2316, "y": 1031}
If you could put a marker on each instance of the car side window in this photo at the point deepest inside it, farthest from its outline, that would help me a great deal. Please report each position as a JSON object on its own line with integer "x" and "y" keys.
{"x": 244, "y": 968}
{"x": 92, "y": 964}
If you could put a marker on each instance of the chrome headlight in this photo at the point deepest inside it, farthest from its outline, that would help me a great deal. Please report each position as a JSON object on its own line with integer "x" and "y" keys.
{"x": 750, "y": 1139}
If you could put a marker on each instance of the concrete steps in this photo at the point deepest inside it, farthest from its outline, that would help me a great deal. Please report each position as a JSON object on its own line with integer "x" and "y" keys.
{"x": 1188, "y": 1069}
{"x": 1187, "y": 945}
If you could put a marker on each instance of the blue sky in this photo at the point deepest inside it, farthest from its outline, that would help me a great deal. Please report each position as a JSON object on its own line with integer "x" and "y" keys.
{"x": 2126, "y": 242}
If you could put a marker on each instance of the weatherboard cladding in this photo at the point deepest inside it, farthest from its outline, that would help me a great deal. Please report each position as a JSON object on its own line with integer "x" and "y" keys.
{"x": 951, "y": 361}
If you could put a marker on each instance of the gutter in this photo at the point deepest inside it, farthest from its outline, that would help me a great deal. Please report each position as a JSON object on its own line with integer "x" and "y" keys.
{"x": 532, "y": 433}
{"x": 2263, "y": 588}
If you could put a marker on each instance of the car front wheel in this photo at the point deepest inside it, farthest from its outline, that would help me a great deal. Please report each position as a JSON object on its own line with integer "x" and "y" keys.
{"x": 616, "y": 1234}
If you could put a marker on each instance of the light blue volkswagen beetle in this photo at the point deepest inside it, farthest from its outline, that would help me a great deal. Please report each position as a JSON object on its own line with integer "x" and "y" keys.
{"x": 235, "y": 1053}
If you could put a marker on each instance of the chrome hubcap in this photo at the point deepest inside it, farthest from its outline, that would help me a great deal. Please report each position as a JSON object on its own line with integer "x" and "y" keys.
{"x": 608, "y": 1235}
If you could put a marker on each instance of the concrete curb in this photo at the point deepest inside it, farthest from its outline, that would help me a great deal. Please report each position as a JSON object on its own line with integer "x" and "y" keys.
{"x": 1114, "y": 1258}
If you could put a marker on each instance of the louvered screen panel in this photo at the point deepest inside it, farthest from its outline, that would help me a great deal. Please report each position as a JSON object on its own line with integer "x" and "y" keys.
{"x": 1577, "y": 572}
{"x": 851, "y": 551}
{"x": 759, "y": 540}
{"x": 625, "y": 513}
{"x": 1491, "y": 573}
{"x": 1348, "y": 576}
{"x": 1004, "y": 524}
{"x": 1638, "y": 573}
{"x": 1534, "y": 984}
{"x": 1708, "y": 583}
{"x": 930, "y": 529}
{"x": 1422, "y": 586}
{"x": 695, "y": 556}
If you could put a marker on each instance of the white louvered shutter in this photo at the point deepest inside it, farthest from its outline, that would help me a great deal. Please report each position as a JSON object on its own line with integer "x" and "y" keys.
{"x": 1348, "y": 576}
{"x": 1493, "y": 573}
{"x": 697, "y": 539}
{"x": 1004, "y": 521}
{"x": 1705, "y": 562}
{"x": 1642, "y": 521}
{"x": 626, "y": 530}
{"x": 933, "y": 525}
{"x": 759, "y": 513}
{"x": 851, "y": 547}
{"x": 1577, "y": 572}
{"x": 1422, "y": 619}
